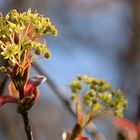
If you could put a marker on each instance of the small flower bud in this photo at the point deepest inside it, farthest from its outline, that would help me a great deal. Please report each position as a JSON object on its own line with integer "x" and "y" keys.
{"x": 54, "y": 32}
{"x": 79, "y": 77}
{"x": 47, "y": 55}
{"x": 102, "y": 82}
{"x": 106, "y": 97}
{"x": 73, "y": 97}
{"x": 118, "y": 113}
{"x": 112, "y": 104}
{"x": 91, "y": 93}
{"x": 97, "y": 107}
{"x": 125, "y": 105}
{"x": 38, "y": 51}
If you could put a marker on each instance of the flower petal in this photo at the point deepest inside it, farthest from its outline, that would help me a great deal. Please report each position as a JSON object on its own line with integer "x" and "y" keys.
{"x": 7, "y": 99}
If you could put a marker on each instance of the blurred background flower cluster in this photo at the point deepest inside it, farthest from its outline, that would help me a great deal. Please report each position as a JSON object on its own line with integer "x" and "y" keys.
{"x": 100, "y": 38}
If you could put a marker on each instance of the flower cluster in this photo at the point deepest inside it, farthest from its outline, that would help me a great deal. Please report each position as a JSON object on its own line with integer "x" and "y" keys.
{"x": 21, "y": 43}
{"x": 20, "y": 38}
{"x": 96, "y": 98}
{"x": 93, "y": 99}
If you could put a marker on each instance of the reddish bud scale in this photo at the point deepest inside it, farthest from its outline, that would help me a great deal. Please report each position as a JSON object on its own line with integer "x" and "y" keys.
{"x": 7, "y": 99}
{"x": 30, "y": 90}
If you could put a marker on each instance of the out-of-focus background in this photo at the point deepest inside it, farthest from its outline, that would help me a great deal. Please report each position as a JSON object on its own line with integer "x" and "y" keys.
{"x": 96, "y": 37}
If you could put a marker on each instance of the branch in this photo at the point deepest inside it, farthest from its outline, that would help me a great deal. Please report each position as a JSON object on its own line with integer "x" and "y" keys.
{"x": 27, "y": 126}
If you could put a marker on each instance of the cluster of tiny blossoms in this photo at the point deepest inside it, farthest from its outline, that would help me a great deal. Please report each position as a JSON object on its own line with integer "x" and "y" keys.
{"x": 20, "y": 37}
{"x": 96, "y": 98}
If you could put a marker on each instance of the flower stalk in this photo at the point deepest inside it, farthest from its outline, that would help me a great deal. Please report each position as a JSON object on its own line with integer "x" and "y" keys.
{"x": 20, "y": 46}
{"x": 77, "y": 131}
{"x": 93, "y": 99}
{"x": 25, "y": 117}
{"x": 27, "y": 126}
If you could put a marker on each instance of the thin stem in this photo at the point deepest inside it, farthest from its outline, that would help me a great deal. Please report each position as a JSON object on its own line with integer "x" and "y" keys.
{"x": 11, "y": 39}
{"x": 25, "y": 67}
{"x": 78, "y": 106}
{"x": 2, "y": 44}
{"x": 92, "y": 114}
{"x": 21, "y": 93}
{"x": 18, "y": 63}
{"x": 24, "y": 115}
{"x": 19, "y": 44}
{"x": 77, "y": 130}
{"x": 27, "y": 126}
{"x": 26, "y": 31}
{"x": 35, "y": 59}
{"x": 24, "y": 63}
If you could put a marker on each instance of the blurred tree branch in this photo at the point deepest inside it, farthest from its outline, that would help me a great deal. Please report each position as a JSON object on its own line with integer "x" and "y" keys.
{"x": 131, "y": 77}
{"x": 18, "y": 4}
{"x": 133, "y": 53}
{"x": 130, "y": 59}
